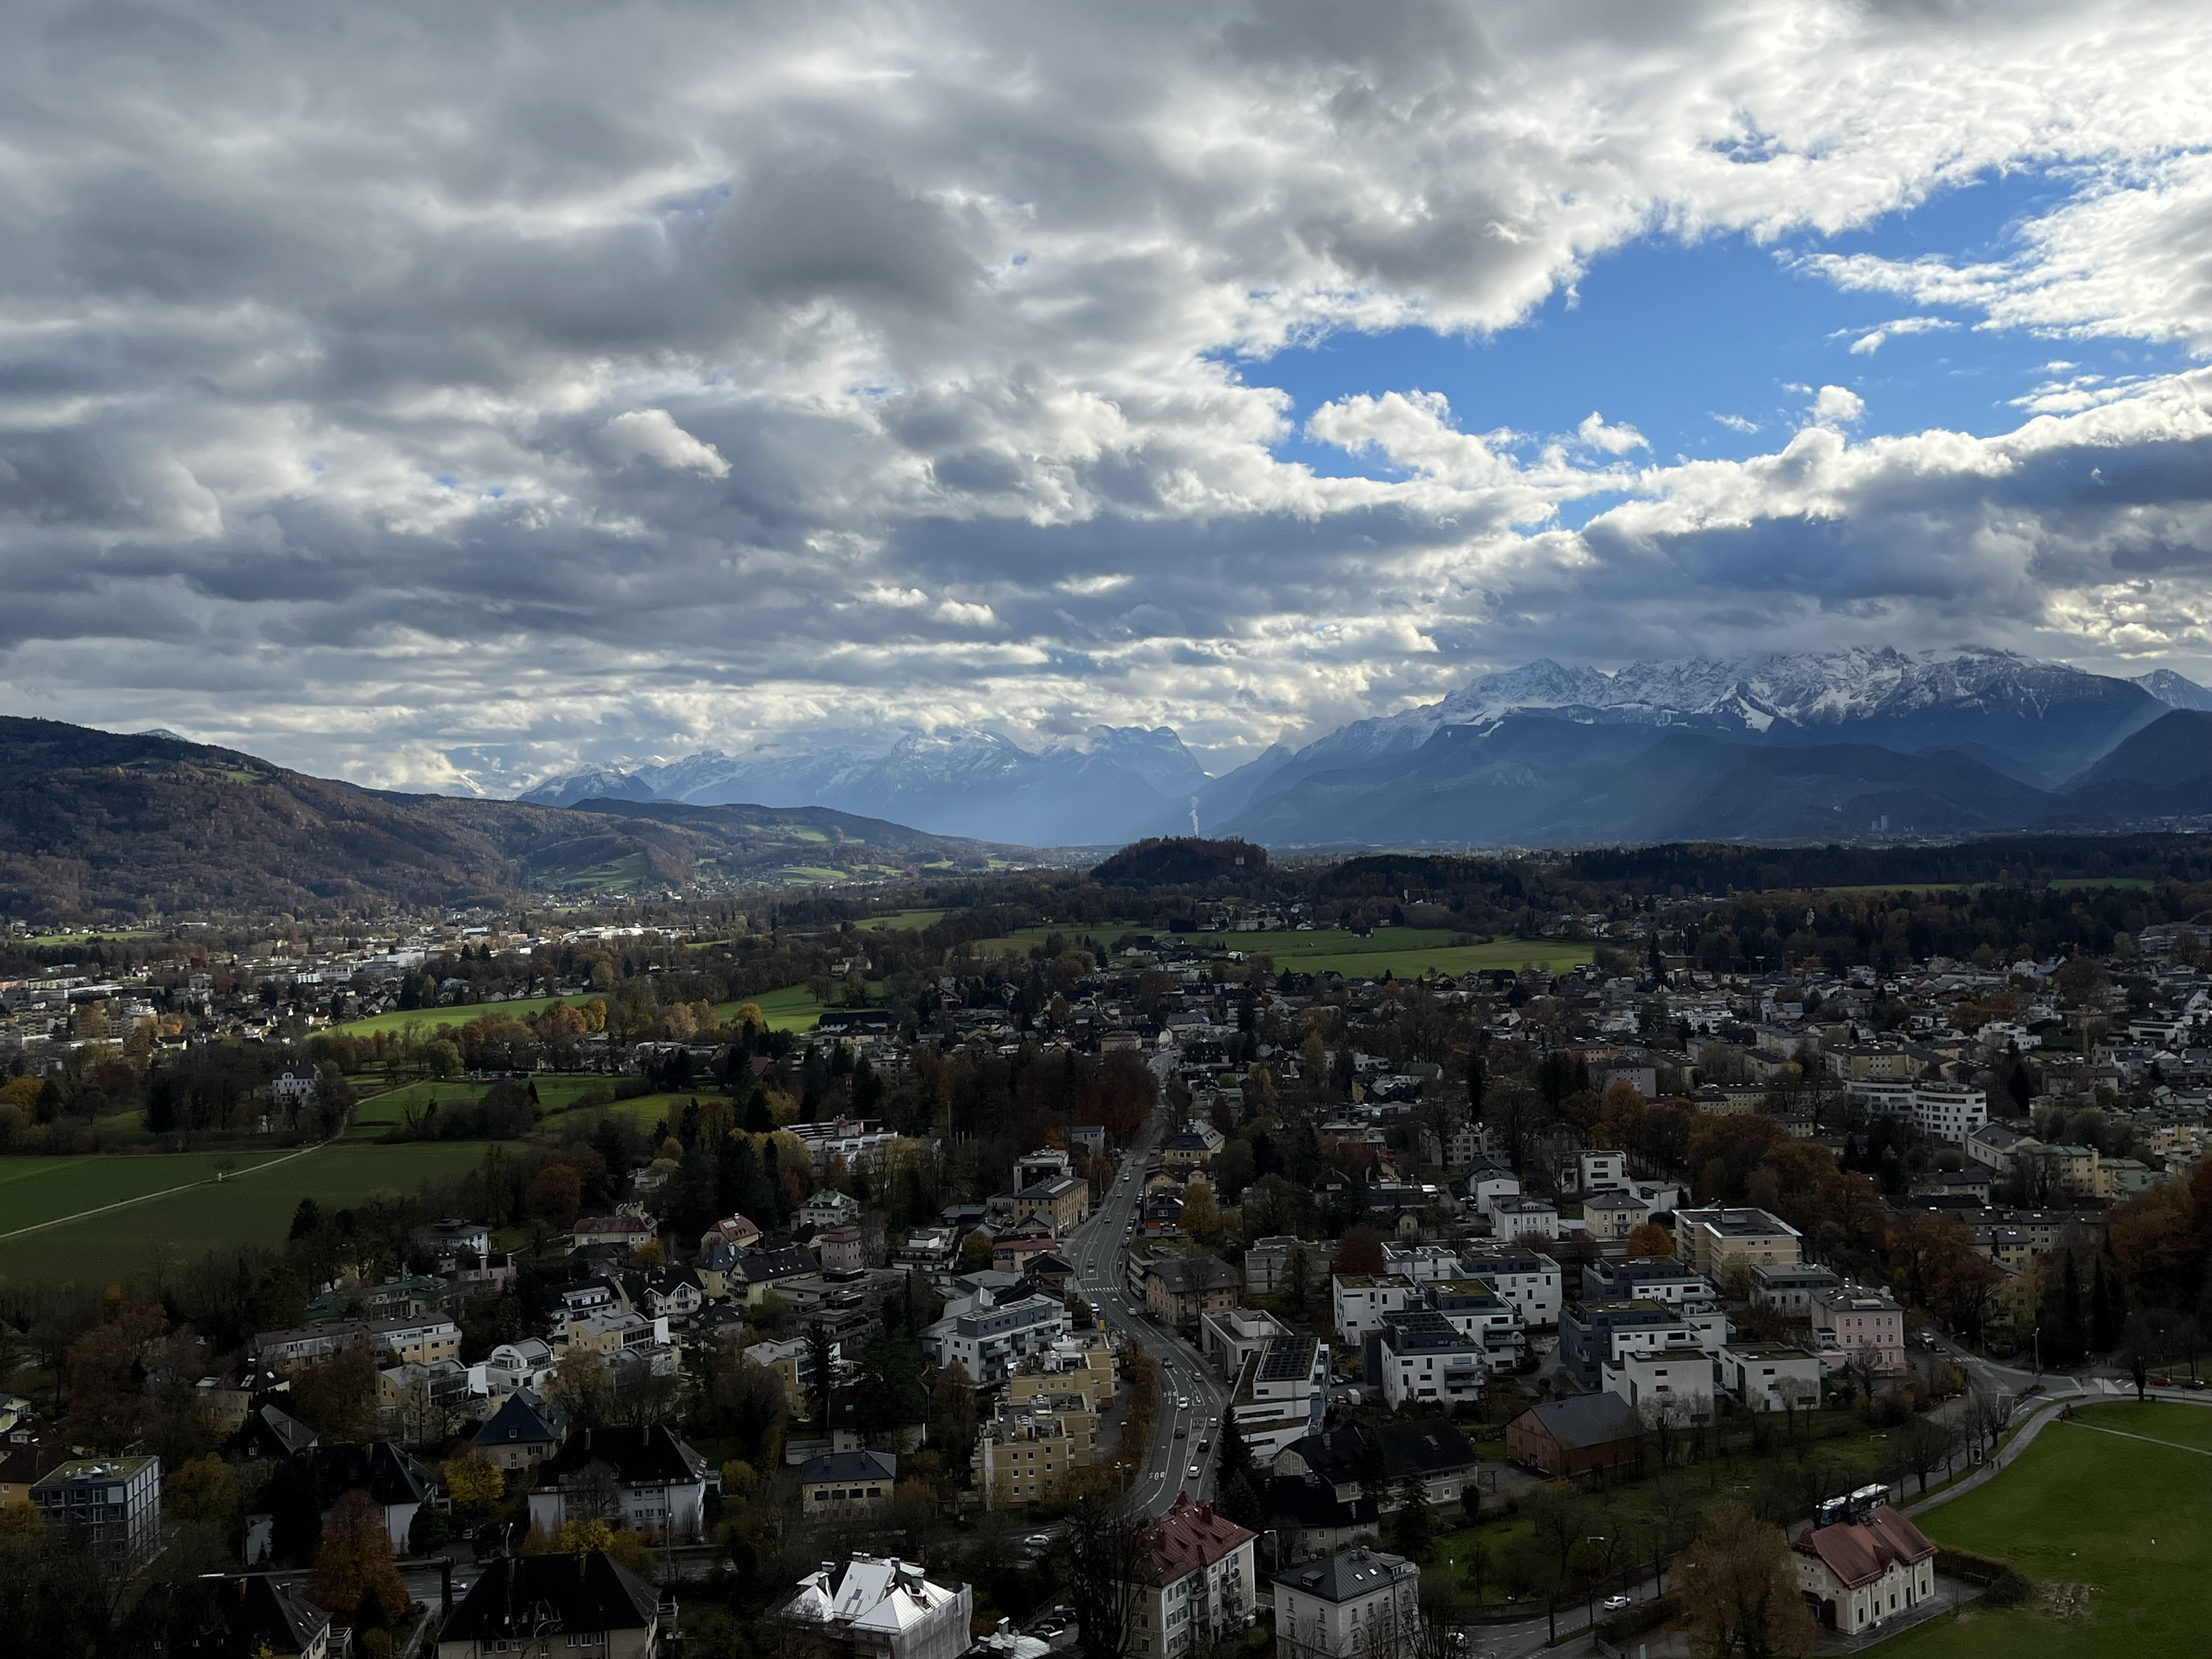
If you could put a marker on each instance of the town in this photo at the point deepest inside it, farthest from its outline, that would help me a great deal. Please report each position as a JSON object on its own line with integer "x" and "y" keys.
{"x": 1405, "y": 1255}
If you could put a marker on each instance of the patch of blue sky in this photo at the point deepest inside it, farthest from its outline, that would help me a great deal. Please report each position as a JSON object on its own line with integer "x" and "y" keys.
{"x": 1712, "y": 349}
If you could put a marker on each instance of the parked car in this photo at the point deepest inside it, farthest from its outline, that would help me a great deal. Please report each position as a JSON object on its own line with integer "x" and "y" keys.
{"x": 1616, "y": 1603}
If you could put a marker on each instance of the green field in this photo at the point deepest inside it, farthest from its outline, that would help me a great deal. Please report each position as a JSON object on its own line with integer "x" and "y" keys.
{"x": 35, "y": 1189}
{"x": 388, "y": 1111}
{"x": 2089, "y": 884}
{"x": 906, "y": 918}
{"x": 2089, "y": 1504}
{"x": 254, "y": 1206}
{"x": 1403, "y": 952}
{"x": 791, "y": 1009}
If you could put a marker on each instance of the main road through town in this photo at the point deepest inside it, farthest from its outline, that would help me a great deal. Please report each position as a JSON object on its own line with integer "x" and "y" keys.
{"x": 1191, "y": 1397}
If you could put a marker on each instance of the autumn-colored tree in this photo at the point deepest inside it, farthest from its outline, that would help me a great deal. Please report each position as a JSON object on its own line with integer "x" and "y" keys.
{"x": 1201, "y": 1216}
{"x": 1650, "y": 1239}
{"x": 554, "y": 1193}
{"x": 475, "y": 1484}
{"x": 203, "y": 1492}
{"x": 354, "y": 1567}
{"x": 1359, "y": 1251}
{"x": 336, "y": 1396}
{"x": 1739, "y": 1591}
{"x": 106, "y": 1375}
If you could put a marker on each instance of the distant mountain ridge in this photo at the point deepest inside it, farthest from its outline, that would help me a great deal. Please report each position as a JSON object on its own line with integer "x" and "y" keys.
{"x": 2006, "y": 719}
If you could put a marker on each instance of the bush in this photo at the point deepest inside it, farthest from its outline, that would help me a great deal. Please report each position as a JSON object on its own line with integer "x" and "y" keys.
{"x": 1638, "y": 1620}
{"x": 2007, "y": 1589}
{"x": 1972, "y": 1568}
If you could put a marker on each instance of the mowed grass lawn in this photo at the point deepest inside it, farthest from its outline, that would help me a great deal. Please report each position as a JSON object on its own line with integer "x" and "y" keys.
{"x": 791, "y": 1009}
{"x": 1402, "y": 952}
{"x": 2116, "y": 1500}
{"x": 254, "y": 1207}
{"x": 389, "y": 1109}
{"x": 36, "y": 1189}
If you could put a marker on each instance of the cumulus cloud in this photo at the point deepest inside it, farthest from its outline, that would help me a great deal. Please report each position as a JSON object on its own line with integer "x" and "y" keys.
{"x": 1837, "y": 406}
{"x": 656, "y": 380}
{"x": 652, "y": 434}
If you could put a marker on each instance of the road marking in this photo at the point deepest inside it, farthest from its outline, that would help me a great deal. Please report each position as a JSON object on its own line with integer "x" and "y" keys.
{"x": 167, "y": 1192}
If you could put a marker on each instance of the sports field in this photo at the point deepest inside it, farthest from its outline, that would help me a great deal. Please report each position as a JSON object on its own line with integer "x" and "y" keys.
{"x": 253, "y": 1205}
{"x": 2114, "y": 1500}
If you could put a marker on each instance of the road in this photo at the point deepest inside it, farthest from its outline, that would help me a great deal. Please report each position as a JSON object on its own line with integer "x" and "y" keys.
{"x": 1191, "y": 1397}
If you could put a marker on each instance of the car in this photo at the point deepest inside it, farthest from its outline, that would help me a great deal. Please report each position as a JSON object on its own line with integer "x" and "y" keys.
{"x": 1193, "y": 1472}
{"x": 1182, "y": 1434}
{"x": 1038, "y": 1540}
{"x": 1615, "y": 1603}
{"x": 1204, "y": 1444}
{"x": 1182, "y": 1402}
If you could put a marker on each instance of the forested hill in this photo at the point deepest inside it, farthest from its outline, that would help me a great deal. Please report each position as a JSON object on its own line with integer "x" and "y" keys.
{"x": 100, "y": 828}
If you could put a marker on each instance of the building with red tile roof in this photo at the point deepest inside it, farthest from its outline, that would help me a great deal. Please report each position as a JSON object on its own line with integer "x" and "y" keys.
{"x": 1860, "y": 1573}
{"x": 1197, "y": 1575}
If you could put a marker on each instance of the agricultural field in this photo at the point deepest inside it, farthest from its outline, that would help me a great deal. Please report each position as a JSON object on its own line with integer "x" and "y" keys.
{"x": 428, "y": 1019}
{"x": 1402, "y": 952}
{"x": 379, "y": 1113}
{"x": 791, "y": 1009}
{"x": 254, "y": 1206}
{"x": 2112, "y": 1500}
{"x": 906, "y": 919}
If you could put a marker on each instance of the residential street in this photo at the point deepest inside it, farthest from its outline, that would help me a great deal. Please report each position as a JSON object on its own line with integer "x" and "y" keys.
{"x": 1100, "y": 1246}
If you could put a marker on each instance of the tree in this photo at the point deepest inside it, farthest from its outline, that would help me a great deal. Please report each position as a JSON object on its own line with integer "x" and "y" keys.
{"x": 1650, "y": 1239}
{"x": 1201, "y": 1217}
{"x": 1412, "y": 1526}
{"x": 428, "y": 1533}
{"x": 1738, "y": 1587}
{"x": 554, "y": 1193}
{"x": 1359, "y": 1251}
{"x": 822, "y": 1356}
{"x": 354, "y": 1570}
{"x": 1925, "y": 1444}
{"x": 336, "y": 1396}
{"x": 202, "y": 1492}
{"x": 1102, "y": 1559}
{"x": 475, "y": 1484}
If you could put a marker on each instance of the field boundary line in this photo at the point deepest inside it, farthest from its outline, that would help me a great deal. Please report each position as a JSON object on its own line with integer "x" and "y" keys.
{"x": 167, "y": 1192}
{"x": 2148, "y": 1439}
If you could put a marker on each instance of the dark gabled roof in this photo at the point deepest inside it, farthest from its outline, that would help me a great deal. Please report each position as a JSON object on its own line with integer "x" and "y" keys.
{"x": 382, "y": 1470}
{"x": 636, "y": 1455}
{"x": 230, "y": 1618}
{"x": 1587, "y": 1420}
{"x": 523, "y": 1419}
{"x": 1295, "y": 1500}
{"x": 848, "y": 1466}
{"x": 1424, "y": 1447}
{"x": 760, "y": 1266}
{"x": 1183, "y": 1274}
{"x": 524, "y": 1594}
{"x": 269, "y": 1432}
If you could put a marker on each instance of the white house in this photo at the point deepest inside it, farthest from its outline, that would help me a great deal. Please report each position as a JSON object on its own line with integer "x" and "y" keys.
{"x": 1527, "y": 1278}
{"x": 1677, "y": 1376}
{"x": 1861, "y": 1572}
{"x": 1359, "y": 1301}
{"x": 1770, "y": 1376}
{"x": 1518, "y": 1219}
{"x": 1360, "y": 1601}
{"x": 987, "y": 1338}
{"x": 1601, "y": 1172}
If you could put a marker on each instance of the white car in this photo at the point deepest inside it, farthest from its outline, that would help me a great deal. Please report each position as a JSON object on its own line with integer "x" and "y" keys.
{"x": 1195, "y": 1472}
{"x": 1182, "y": 1402}
{"x": 1617, "y": 1603}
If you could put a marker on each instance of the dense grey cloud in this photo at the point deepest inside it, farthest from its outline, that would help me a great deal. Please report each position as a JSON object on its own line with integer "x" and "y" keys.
{"x": 441, "y": 393}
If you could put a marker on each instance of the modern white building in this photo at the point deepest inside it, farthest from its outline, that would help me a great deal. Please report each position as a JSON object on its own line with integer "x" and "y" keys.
{"x": 1421, "y": 1356}
{"x": 1677, "y": 1376}
{"x": 1359, "y": 1301}
{"x": 987, "y": 1338}
{"x": 1527, "y": 1278}
{"x": 1601, "y": 1172}
{"x": 1770, "y": 1376}
{"x": 1518, "y": 1219}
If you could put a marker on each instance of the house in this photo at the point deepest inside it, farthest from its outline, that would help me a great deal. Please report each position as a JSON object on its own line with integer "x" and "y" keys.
{"x": 931, "y": 1250}
{"x": 1481, "y": 1314}
{"x": 1089, "y": 1137}
{"x": 395, "y": 1482}
{"x": 1267, "y": 1263}
{"x": 1789, "y": 1288}
{"x": 1228, "y": 1339}
{"x": 1571, "y": 1436}
{"x": 114, "y": 1502}
{"x": 1062, "y": 1203}
{"x": 733, "y": 1231}
{"x": 828, "y": 1208}
{"x": 255, "y": 1613}
{"x": 663, "y": 1481}
{"x": 1421, "y": 1263}
{"x": 1648, "y": 1279}
{"x": 1611, "y": 1217}
{"x": 674, "y": 1293}
{"x": 1359, "y": 1602}
{"x": 1717, "y": 1239}
{"x": 1770, "y": 1376}
{"x": 1857, "y": 1573}
{"x": 1195, "y": 1581}
{"x": 1524, "y": 1276}
{"x": 841, "y": 1249}
{"x": 523, "y": 1431}
{"x": 990, "y": 1336}
{"x": 1488, "y": 1183}
{"x": 793, "y": 1361}
{"x": 1081, "y": 1362}
{"x": 524, "y": 1364}
{"x": 1601, "y": 1172}
{"x": 760, "y": 1271}
{"x": 415, "y": 1403}
{"x": 1012, "y": 1251}
{"x": 1862, "y": 1323}
{"x": 1420, "y": 1356}
{"x": 295, "y": 1085}
{"x": 598, "y": 1605}
{"x": 451, "y": 1238}
{"x": 1515, "y": 1219}
{"x": 416, "y": 1341}
{"x": 1025, "y": 1453}
{"x": 844, "y": 1485}
{"x": 1183, "y": 1290}
{"x": 623, "y": 1231}
{"x": 1359, "y": 1301}
{"x": 269, "y": 1433}
{"x": 881, "y": 1607}
{"x": 1281, "y": 1396}
{"x": 1594, "y": 1334}
{"x": 1430, "y": 1451}
{"x": 1676, "y": 1381}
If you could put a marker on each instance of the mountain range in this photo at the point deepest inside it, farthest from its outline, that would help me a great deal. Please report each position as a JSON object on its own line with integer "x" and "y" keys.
{"x": 97, "y": 827}
{"x": 1859, "y": 744}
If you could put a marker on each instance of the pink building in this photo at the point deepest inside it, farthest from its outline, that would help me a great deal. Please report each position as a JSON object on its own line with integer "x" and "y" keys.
{"x": 1854, "y": 1319}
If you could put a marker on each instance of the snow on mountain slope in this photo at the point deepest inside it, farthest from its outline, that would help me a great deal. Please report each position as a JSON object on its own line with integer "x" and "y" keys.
{"x": 2174, "y": 691}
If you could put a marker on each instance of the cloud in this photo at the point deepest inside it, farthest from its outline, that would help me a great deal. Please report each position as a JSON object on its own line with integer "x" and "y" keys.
{"x": 652, "y": 434}
{"x": 1873, "y": 341}
{"x": 1836, "y": 405}
{"x": 1612, "y": 439}
{"x": 658, "y": 380}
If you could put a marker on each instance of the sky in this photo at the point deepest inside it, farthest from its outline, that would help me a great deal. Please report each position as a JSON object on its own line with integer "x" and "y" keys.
{"x": 445, "y": 396}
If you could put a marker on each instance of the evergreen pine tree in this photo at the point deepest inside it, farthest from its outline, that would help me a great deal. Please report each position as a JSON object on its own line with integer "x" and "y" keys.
{"x": 2102, "y": 1337}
